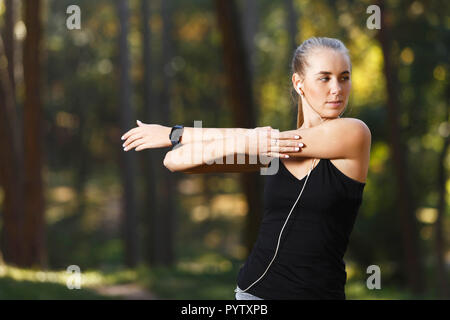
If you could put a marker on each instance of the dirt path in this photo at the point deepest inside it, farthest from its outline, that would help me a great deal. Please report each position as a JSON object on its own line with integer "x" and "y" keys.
{"x": 129, "y": 291}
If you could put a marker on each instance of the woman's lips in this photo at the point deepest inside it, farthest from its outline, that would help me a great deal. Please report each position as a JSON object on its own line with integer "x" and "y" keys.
{"x": 335, "y": 103}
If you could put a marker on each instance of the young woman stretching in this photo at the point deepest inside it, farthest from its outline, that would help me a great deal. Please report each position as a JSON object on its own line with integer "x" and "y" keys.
{"x": 302, "y": 240}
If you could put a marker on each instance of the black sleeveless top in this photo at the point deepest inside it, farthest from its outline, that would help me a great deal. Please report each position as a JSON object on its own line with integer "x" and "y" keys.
{"x": 309, "y": 263}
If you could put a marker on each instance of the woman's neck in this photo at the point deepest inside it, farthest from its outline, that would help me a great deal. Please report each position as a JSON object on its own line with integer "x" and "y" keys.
{"x": 311, "y": 118}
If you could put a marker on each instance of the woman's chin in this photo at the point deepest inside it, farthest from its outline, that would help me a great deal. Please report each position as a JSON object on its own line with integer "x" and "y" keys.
{"x": 335, "y": 113}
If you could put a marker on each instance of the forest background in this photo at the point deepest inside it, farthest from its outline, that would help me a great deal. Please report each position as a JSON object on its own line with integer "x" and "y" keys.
{"x": 70, "y": 196}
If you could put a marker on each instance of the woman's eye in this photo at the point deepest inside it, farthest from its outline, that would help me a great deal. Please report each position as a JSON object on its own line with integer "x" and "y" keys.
{"x": 328, "y": 78}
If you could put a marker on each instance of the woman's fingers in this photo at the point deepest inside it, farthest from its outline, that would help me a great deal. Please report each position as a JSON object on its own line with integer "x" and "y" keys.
{"x": 282, "y": 147}
{"x": 289, "y": 135}
{"x": 286, "y": 144}
{"x": 131, "y": 139}
{"x": 279, "y": 143}
{"x": 284, "y": 150}
{"x": 143, "y": 146}
{"x": 275, "y": 155}
{"x": 135, "y": 143}
{"x": 130, "y": 132}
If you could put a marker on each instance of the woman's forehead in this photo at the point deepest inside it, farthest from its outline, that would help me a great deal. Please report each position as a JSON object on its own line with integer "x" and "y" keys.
{"x": 329, "y": 60}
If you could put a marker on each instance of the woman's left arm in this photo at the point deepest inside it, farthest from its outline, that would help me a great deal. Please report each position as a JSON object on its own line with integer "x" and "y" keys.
{"x": 343, "y": 138}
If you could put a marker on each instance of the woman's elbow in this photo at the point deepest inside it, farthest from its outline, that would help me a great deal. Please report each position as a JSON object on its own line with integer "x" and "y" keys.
{"x": 173, "y": 166}
{"x": 168, "y": 164}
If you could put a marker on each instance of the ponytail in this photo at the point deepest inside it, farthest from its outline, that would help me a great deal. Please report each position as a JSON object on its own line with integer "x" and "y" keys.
{"x": 300, "y": 112}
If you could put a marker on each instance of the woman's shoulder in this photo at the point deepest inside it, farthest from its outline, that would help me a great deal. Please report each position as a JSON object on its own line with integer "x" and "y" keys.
{"x": 356, "y": 168}
{"x": 357, "y": 124}
{"x": 359, "y": 134}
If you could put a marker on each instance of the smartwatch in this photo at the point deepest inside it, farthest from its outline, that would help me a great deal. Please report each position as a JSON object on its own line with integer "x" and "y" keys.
{"x": 175, "y": 134}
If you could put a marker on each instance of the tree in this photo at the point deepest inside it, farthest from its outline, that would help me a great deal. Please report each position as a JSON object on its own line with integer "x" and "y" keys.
{"x": 165, "y": 217}
{"x": 237, "y": 71}
{"x": 152, "y": 202}
{"x": 34, "y": 223}
{"x": 9, "y": 45}
{"x": 399, "y": 155}
{"x": 291, "y": 26}
{"x": 250, "y": 21}
{"x": 11, "y": 173}
{"x": 129, "y": 213}
{"x": 23, "y": 238}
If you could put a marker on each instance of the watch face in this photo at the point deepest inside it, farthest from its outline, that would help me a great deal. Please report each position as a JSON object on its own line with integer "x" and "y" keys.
{"x": 175, "y": 134}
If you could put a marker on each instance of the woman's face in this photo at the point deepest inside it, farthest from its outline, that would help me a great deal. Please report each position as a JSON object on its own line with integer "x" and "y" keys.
{"x": 327, "y": 81}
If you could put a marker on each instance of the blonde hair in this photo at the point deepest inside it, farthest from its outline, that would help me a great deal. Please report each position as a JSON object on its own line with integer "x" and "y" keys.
{"x": 299, "y": 62}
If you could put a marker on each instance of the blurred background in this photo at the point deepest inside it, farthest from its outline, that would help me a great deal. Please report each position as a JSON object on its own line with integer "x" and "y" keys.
{"x": 71, "y": 196}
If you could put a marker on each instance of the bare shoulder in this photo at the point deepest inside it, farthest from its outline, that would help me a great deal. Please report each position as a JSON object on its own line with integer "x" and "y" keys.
{"x": 356, "y": 166}
{"x": 359, "y": 128}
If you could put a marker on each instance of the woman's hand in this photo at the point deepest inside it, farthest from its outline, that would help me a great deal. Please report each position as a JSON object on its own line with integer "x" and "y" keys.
{"x": 147, "y": 136}
{"x": 270, "y": 143}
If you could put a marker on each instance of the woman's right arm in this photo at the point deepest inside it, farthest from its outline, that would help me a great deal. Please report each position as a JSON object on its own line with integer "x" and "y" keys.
{"x": 209, "y": 156}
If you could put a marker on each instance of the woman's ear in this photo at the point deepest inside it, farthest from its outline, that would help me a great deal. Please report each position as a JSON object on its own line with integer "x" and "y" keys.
{"x": 297, "y": 81}
{"x": 300, "y": 88}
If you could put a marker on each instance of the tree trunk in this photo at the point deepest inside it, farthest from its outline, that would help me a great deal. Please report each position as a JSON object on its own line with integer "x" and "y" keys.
{"x": 34, "y": 227}
{"x": 151, "y": 201}
{"x": 129, "y": 214}
{"x": 399, "y": 155}
{"x": 165, "y": 216}
{"x": 239, "y": 81}
{"x": 11, "y": 172}
{"x": 10, "y": 12}
{"x": 250, "y": 19}
{"x": 250, "y": 27}
{"x": 291, "y": 26}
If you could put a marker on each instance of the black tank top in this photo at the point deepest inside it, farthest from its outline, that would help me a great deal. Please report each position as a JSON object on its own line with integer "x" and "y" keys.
{"x": 309, "y": 263}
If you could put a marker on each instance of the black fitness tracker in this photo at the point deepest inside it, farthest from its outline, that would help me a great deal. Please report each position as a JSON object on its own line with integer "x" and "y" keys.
{"x": 175, "y": 134}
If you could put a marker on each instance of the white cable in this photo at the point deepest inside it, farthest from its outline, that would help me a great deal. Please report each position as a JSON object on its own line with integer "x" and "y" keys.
{"x": 281, "y": 232}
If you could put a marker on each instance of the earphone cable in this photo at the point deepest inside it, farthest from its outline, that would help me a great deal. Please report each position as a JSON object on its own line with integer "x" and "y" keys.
{"x": 281, "y": 232}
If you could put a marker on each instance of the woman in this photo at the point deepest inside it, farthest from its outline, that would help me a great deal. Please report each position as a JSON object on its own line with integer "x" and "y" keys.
{"x": 301, "y": 244}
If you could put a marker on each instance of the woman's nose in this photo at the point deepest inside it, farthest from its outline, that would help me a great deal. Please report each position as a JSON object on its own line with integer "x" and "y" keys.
{"x": 335, "y": 87}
